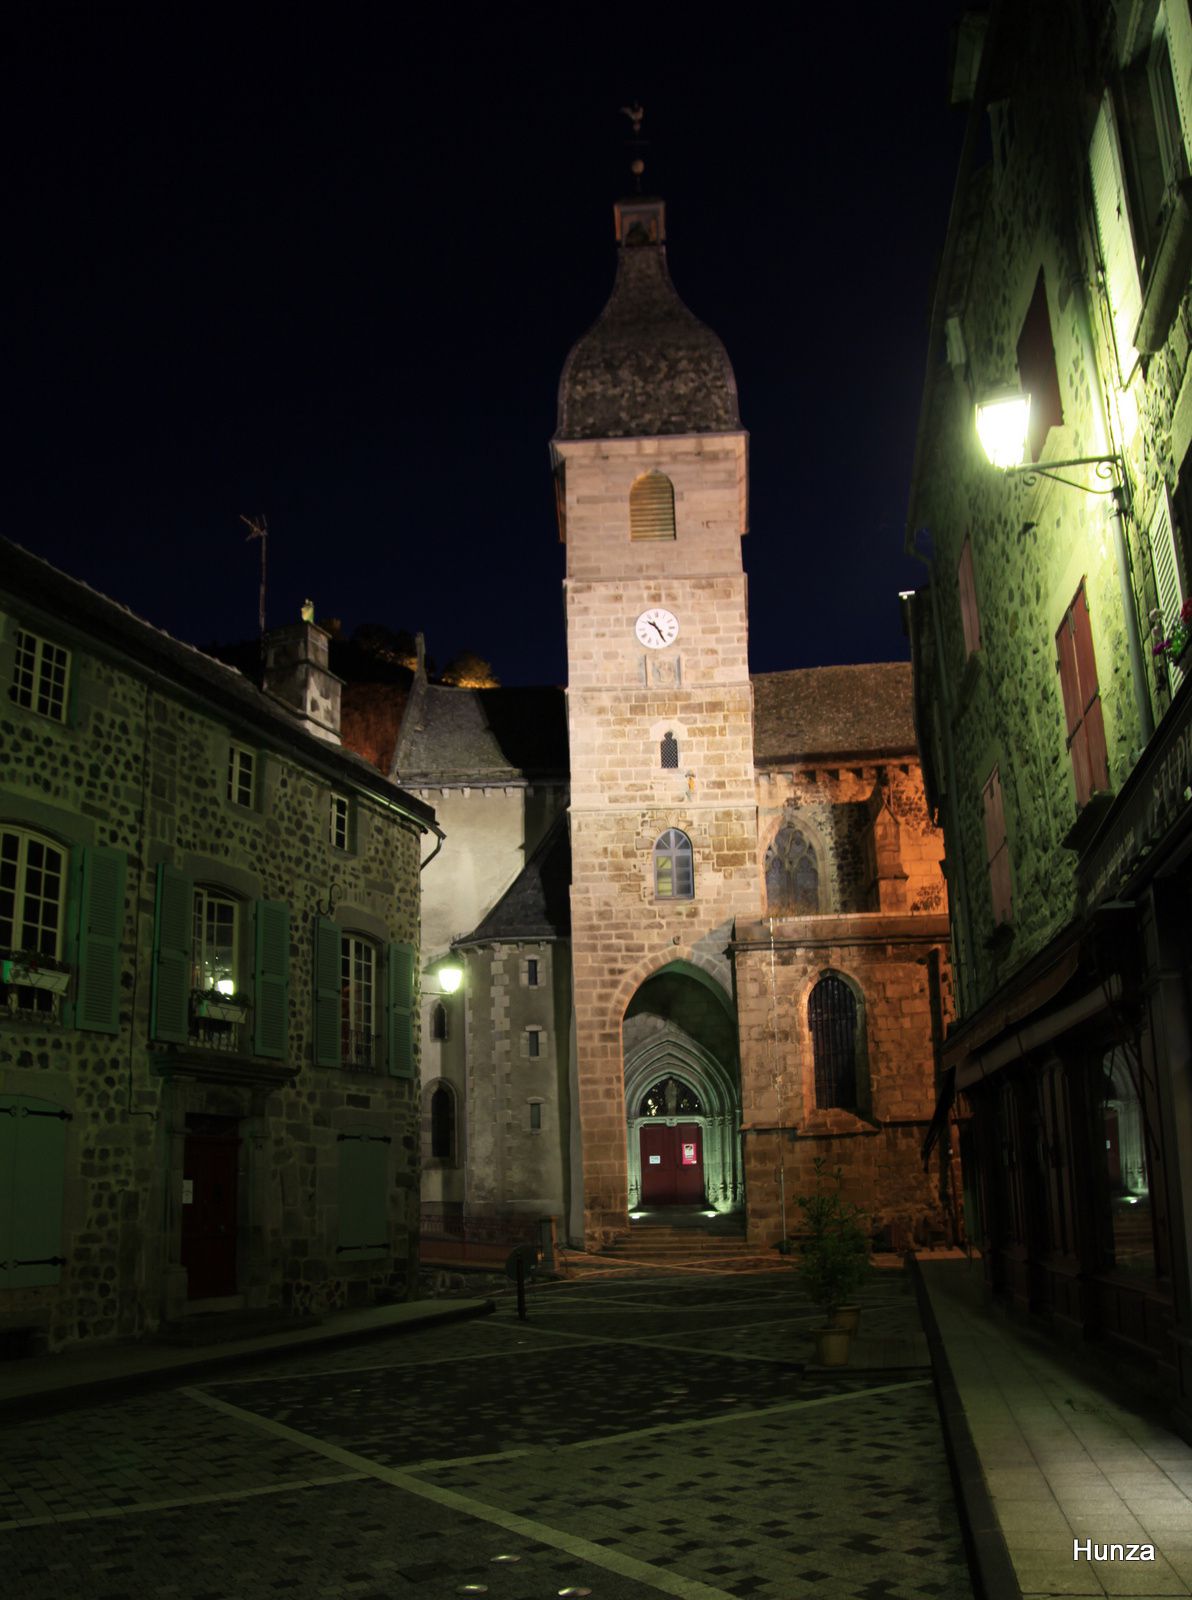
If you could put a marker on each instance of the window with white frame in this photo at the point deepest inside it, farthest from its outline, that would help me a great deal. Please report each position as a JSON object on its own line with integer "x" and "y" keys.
{"x": 358, "y": 1002}
{"x": 32, "y": 903}
{"x": 216, "y": 1012}
{"x": 341, "y": 816}
{"x": 40, "y": 676}
{"x": 242, "y": 775}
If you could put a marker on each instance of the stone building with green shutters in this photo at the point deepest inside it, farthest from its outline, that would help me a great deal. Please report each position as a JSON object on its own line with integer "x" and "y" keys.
{"x": 209, "y": 924}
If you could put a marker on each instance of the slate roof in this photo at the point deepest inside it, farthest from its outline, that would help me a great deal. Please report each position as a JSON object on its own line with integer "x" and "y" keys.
{"x": 833, "y": 711}
{"x": 537, "y": 904}
{"x": 481, "y": 735}
{"x": 219, "y": 688}
{"x": 648, "y": 366}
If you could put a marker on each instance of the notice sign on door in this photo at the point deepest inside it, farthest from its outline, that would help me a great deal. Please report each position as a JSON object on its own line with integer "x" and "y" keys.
{"x": 655, "y": 1161}
{"x": 188, "y": 1191}
{"x": 688, "y": 1155}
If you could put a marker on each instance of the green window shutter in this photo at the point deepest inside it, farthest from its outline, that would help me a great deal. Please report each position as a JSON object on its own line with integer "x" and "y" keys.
{"x": 173, "y": 946}
{"x": 363, "y": 1195}
{"x": 328, "y": 1006}
{"x": 271, "y": 980}
{"x": 32, "y": 1179}
{"x": 400, "y": 969}
{"x": 100, "y": 888}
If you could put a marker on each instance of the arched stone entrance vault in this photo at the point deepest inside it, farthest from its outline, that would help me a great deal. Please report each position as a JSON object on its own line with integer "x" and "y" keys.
{"x": 680, "y": 1035}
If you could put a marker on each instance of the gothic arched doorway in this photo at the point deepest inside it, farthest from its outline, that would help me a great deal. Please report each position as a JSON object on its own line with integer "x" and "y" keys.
{"x": 682, "y": 1094}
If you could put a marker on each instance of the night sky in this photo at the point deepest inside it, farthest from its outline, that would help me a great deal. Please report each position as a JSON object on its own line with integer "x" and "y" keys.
{"x": 325, "y": 264}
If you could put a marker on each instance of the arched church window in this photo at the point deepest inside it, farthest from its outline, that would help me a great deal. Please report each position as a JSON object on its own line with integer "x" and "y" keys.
{"x": 442, "y": 1124}
{"x": 670, "y": 752}
{"x": 674, "y": 872}
{"x": 792, "y": 875}
{"x": 670, "y": 1098}
{"x": 652, "y": 507}
{"x": 832, "y": 1015}
{"x": 438, "y": 1021}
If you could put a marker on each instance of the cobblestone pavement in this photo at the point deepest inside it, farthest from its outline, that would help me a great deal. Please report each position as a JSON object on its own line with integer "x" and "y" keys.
{"x": 629, "y": 1439}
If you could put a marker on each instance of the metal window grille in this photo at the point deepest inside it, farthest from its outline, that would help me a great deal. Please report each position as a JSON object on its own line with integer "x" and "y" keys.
{"x": 674, "y": 871}
{"x": 832, "y": 1014}
{"x": 39, "y": 677}
{"x": 670, "y": 752}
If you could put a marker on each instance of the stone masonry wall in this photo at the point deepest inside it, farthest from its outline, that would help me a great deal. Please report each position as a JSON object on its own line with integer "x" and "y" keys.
{"x": 143, "y": 769}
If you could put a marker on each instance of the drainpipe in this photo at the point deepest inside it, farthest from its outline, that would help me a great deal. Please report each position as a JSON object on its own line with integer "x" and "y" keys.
{"x": 1142, "y": 694}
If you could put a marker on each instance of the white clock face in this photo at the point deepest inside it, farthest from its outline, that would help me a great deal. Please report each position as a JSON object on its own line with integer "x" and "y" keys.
{"x": 656, "y": 628}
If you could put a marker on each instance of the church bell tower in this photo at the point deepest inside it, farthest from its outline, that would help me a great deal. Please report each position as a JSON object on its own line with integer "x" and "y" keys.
{"x": 650, "y": 463}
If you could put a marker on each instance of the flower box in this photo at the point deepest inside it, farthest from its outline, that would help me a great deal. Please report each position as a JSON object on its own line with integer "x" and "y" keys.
{"x": 222, "y": 1008}
{"x": 26, "y": 975}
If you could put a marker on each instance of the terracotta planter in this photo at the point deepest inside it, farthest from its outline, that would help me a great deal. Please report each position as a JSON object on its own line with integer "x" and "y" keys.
{"x": 846, "y": 1317}
{"x": 831, "y": 1346}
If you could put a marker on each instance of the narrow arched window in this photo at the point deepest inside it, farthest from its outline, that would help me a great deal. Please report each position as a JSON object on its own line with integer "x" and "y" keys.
{"x": 438, "y": 1021}
{"x": 442, "y": 1124}
{"x": 674, "y": 872}
{"x": 792, "y": 875}
{"x": 832, "y": 1015}
{"x": 652, "y": 507}
{"x": 670, "y": 752}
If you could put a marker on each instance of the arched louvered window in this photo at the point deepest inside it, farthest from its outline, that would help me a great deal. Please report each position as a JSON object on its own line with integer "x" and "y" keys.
{"x": 674, "y": 873}
{"x": 442, "y": 1124}
{"x": 792, "y": 875}
{"x": 832, "y": 1015}
{"x": 438, "y": 1021}
{"x": 670, "y": 752}
{"x": 652, "y": 507}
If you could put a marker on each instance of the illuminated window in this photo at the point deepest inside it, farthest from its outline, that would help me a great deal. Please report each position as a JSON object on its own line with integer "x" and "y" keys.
{"x": 674, "y": 872}
{"x": 358, "y": 1009}
{"x": 242, "y": 768}
{"x": 40, "y": 675}
{"x": 340, "y": 822}
{"x": 652, "y": 507}
{"x": 215, "y": 930}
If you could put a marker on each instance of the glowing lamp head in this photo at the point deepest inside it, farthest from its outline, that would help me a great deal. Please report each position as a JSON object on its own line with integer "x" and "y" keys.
{"x": 1002, "y": 423}
{"x": 450, "y": 976}
{"x": 225, "y": 986}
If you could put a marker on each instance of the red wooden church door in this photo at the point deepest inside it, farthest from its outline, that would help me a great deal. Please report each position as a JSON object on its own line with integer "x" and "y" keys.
{"x": 672, "y": 1164}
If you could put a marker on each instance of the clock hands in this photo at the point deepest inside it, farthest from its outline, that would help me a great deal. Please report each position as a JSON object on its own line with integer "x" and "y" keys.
{"x": 657, "y": 629}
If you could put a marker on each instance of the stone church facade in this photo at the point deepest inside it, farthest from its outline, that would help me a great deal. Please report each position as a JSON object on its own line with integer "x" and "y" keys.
{"x": 701, "y": 914}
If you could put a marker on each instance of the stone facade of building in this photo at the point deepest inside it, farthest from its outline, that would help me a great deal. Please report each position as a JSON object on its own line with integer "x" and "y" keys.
{"x": 201, "y": 1106}
{"x": 1044, "y": 711}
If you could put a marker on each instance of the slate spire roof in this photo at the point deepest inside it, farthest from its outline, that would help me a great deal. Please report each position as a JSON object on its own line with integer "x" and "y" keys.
{"x": 648, "y": 366}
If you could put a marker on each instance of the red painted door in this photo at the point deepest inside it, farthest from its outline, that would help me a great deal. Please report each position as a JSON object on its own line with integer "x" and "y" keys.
{"x": 672, "y": 1164}
{"x": 209, "y": 1216}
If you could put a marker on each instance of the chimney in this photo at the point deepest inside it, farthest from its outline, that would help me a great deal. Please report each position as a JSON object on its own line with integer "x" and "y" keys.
{"x": 298, "y": 675}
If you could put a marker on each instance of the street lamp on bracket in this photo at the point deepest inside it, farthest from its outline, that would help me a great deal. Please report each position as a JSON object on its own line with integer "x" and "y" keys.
{"x": 1003, "y": 426}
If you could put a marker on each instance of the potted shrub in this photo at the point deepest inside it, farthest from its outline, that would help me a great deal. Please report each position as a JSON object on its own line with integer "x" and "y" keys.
{"x": 833, "y": 1260}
